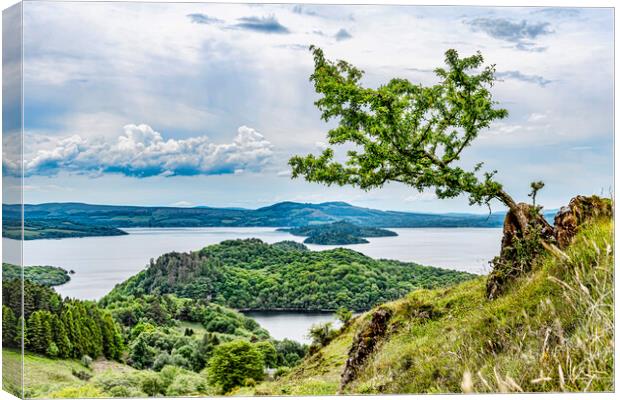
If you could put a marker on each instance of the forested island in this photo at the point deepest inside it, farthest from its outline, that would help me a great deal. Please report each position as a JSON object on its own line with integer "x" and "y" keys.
{"x": 252, "y": 275}
{"x": 338, "y": 233}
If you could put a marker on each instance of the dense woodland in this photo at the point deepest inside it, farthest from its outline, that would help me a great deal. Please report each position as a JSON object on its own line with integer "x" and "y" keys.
{"x": 251, "y": 274}
{"x": 58, "y": 328}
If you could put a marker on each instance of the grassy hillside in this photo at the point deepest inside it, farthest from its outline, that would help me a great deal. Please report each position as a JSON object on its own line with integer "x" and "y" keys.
{"x": 552, "y": 331}
{"x": 44, "y": 376}
{"x": 251, "y": 274}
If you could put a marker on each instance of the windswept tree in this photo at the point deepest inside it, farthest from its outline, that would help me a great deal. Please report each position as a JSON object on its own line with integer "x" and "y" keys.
{"x": 411, "y": 133}
{"x": 405, "y": 132}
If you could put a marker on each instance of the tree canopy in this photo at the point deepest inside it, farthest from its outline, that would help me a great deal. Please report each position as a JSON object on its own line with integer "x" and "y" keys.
{"x": 405, "y": 132}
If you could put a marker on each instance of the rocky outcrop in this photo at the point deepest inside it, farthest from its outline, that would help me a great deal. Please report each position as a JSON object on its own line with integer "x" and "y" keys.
{"x": 364, "y": 343}
{"x": 520, "y": 249}
{"x": 580, "y": 209}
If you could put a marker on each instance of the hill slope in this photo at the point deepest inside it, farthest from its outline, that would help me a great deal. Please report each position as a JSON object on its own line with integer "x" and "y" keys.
{"x": 251, "y": 274}
{"x": 552, "y": 331}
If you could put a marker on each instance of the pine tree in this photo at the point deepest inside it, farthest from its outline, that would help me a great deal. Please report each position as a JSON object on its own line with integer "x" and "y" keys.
{"x": 21, "y": 334}
{"x": 9, "y": 327}
{"x": 60, "y": 337}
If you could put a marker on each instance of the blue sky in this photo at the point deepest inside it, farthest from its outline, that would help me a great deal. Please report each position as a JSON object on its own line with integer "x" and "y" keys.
{"x": 203, "y": 104}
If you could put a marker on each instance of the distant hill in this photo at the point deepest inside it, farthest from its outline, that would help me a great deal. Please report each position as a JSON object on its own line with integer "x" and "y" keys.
{"x": 52, "y": 219}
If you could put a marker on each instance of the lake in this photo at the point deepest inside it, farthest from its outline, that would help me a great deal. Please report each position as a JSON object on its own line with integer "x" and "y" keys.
{"x": 291, "y": 325}
{"x": 102, "y": 262}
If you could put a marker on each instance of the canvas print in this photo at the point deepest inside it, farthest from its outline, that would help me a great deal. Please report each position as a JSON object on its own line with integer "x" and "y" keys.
{"x": 205, "y": 199}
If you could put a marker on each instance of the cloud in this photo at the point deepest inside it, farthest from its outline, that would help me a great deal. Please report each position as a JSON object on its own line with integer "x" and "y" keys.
{"x": 521, "y": 33}
{"x": 558, "y": 12}
{"x": 517, "y": 75}
{"x": 299, "y": 9}
{"x": 198, "y": 18}
{"x": 262, "y": 24}
{"x": 342, "y": 34}
{"x": 142, "y": 152}
{"x": 182, "y": 203}
{"x": 285, "y": 173}
{"x": 294, "y": 46}
{"x": 536, "y": 117}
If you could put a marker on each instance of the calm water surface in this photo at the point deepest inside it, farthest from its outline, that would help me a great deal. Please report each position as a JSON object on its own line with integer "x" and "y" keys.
{"x": 291, "y": 325}
{"x": 102, "y": 262}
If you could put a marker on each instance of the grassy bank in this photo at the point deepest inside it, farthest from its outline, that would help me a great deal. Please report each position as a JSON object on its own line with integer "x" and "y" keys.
{"x": 552, "y": 331}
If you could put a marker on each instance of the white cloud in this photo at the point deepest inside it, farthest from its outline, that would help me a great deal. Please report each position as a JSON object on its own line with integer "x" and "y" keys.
{"x": 142, "y": 152}
{"x": 182, "y": 203}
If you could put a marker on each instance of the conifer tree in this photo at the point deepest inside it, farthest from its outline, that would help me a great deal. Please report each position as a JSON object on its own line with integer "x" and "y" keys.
{"x": 9, "y": 327}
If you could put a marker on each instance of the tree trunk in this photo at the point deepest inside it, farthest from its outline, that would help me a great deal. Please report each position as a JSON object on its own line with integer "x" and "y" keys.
{"x": 515, "y": 210}
{"x": 524, "y": 230}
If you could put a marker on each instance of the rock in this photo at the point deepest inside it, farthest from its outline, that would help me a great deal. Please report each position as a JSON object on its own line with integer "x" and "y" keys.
{"x": 364, "y": 343}
{"x": 580, "y": 210}
{"x": 518, "y": 252}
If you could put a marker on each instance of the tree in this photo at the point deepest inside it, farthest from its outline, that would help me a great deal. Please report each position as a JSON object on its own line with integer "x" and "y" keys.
{"x": 536, "y": 186}
{"x": 408, "y": 133}
{"x": 344, "y": 315}
{"x": 269, "y": 353}
{"x": 321, "y": 334}
{"x": 233, "y": 363}
{"x": 9, "y": 327}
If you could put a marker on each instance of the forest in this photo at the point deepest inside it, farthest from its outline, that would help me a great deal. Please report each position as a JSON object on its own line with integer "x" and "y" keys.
{"x": 252, "y": 275}
{"x": 160, "y": 338}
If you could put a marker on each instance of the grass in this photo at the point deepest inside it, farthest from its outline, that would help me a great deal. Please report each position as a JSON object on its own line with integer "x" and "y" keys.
{"x": 551, "y": 331}
{"x": 45, "y": 376}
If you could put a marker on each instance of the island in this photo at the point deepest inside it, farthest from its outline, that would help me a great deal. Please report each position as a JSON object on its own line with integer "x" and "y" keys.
{"x": 338, "y": 233}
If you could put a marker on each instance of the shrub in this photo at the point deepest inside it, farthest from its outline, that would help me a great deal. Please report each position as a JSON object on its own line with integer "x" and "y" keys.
{"x": 187, "y": 384}
{"x": 52, "y": 350}
{"x": 82, "y": 375}
{"x": 151, "y": 384}
{"x": 81, "y": 392}
{"x": 86, "y": 361}
{"x": 281, "y": 371}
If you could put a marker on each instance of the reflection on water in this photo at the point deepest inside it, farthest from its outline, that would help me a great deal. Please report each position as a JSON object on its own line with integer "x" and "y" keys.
{"x": 102, "y": 262}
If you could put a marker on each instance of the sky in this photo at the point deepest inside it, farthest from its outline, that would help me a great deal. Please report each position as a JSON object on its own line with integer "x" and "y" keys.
{"x": 203, "y": 104}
